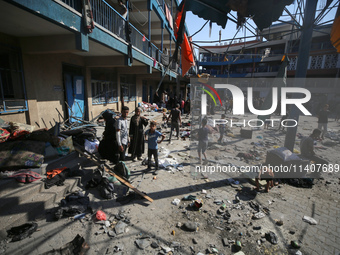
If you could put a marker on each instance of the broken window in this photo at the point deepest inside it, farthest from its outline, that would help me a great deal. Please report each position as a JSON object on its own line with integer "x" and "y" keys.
{"x": 128, "y": 87}
{"x": 12, "y": 90}
{"x": 104, "y": 87}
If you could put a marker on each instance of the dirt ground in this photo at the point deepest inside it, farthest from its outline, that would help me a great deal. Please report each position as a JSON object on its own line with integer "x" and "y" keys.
{"x": 159, "y": 227}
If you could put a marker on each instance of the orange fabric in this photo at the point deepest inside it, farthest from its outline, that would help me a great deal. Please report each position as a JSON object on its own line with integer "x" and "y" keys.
{"x": 50, "y": 174}
{"x": 187, "y": 55}
{"x": 335, "y": 33}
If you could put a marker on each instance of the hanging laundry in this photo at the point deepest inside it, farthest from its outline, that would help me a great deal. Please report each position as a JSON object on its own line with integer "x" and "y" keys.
{"x": 89, "y": 23}
{"x": 168, "y": 16}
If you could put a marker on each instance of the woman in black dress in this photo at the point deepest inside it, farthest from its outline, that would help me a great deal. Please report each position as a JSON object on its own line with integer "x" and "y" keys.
{"x": 108, "y": 147}
{"x": 136, "y": 131}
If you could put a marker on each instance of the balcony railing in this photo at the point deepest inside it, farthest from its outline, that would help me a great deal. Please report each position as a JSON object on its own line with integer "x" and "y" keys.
{"x": 326, "y": 61}
{"x": 107, "y": 17}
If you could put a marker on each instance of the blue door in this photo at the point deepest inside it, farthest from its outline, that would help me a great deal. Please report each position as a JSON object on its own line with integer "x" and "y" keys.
{"x": 75, "y": 96}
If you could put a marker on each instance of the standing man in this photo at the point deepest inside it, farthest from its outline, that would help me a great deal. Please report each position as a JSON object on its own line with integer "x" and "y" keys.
{"x": 323, "y": 120}
{"x": 176, "y": 120}
{"x": 122, "y": 133}
{"x": 307, "y": 147}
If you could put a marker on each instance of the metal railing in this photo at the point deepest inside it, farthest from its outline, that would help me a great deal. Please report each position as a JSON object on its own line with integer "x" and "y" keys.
{"x": 75, "y": 4}
{"x": 139, "y": 40}
{"x": 109, "y": 18}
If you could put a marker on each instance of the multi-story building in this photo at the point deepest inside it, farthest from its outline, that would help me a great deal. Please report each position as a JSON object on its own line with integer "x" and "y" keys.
{"x": 54, "y": 64}
{"x": 262, "y": 57}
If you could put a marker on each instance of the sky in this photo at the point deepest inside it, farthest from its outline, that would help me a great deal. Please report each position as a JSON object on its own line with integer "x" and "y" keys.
{"x": 194, "y": 23}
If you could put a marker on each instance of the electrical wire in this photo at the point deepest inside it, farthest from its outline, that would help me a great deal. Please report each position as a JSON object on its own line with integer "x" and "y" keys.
{"x": 200, "y": 29}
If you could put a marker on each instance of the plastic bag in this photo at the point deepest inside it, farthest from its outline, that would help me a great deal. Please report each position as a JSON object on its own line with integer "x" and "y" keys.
{"x": 100, "y": 215}
{"x": 67, "y": 143}
{"x": 91, "y": 147}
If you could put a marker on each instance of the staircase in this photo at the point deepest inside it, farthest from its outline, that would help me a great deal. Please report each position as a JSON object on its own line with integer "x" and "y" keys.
{"x": 21, "y": 203}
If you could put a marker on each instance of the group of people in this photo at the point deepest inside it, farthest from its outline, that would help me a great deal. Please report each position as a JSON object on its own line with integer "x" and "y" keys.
{"x": 120, "y": 137}
{"x": 168, "y": 102}
{"x": 306, "y": 146}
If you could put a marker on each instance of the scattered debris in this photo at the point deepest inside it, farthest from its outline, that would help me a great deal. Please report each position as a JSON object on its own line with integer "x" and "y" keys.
{"x": 309, "y": 220}
{"x": 271, "y": 237}
{"x": 21, "y": 232}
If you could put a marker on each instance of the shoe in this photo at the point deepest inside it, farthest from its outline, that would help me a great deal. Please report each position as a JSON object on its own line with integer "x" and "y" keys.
{"x": 139, "y": 158}
{"x": 134, "y": 160}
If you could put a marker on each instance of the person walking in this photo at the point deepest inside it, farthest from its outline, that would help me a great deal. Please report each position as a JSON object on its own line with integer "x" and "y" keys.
{"x": 323, "y": 120}
{"x": 307, "y": 148}
{"x": 176, "y": 121}
{"x": 203, "y": 141}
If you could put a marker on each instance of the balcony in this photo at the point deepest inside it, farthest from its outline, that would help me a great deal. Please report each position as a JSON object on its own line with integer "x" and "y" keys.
{"x": 317, "y": 62}
{"x": 107, "y": 17}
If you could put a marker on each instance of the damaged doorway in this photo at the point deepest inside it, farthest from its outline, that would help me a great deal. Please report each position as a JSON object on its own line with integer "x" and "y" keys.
{"x": 74, "y": 93}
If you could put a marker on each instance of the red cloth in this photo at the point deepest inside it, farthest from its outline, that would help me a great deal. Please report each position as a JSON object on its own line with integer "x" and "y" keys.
{"x": 18, "y": 134}
{"x": 187, "y": 52}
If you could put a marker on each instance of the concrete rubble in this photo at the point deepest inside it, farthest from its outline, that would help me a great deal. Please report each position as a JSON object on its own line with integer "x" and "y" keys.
{"x": 204, "y": 213}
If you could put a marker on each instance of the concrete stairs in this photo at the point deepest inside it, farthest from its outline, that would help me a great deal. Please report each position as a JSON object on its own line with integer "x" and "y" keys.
{"x": 21, "y": 203}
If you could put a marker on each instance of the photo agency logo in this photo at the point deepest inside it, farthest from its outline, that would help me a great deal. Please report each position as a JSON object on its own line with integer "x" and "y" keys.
{"x": 238, "y": 104}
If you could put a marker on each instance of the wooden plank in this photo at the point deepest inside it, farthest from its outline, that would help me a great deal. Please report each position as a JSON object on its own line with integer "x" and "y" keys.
{"x": 119, "y": 178}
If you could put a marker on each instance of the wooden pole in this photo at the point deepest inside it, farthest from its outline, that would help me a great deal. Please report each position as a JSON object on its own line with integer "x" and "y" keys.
{"x": 119, "y": 178}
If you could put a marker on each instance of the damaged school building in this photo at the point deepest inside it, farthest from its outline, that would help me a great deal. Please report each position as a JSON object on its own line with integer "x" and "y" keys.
{"x": 56, "y": 62}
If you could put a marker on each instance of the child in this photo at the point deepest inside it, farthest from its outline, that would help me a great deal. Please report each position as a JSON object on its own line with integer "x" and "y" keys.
{"x": 221, "y": 129}
{"x": 265, "y": 174}
{"x": 203, "y": 141}
{"x": 153, "y": 135}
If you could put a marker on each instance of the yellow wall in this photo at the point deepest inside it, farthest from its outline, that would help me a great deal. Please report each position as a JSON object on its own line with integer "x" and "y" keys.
{"x": 44, "y": 85}
{"x": 16, "y": 117}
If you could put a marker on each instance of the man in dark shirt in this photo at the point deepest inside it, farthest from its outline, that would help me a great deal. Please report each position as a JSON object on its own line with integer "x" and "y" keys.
{"x": 203, "y": 141}
{"x": 176, "y": 121}
{"x": 323, "y": 120}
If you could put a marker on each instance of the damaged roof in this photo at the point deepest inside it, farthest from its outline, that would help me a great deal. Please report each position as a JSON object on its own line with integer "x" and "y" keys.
{"x": 263, "y": 12}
